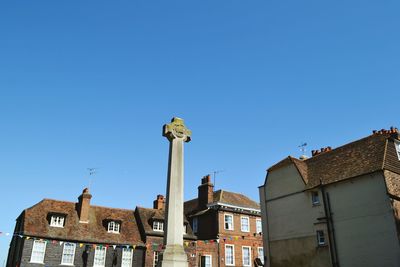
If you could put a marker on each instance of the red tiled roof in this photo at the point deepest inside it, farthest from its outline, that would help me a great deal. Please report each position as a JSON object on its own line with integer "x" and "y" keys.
{"x": 35, "y": 223}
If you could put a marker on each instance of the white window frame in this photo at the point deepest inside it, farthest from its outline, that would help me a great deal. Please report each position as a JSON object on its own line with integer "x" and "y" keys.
{"x": 321, "y": 240}
{"x": 156, "y": 255}
{"x": 397, "y": 145}
{"x": 37, "y": 244}
{"x": 315, "y": 198}
{"x": 228, "y": 226}
{"x": 114, "y": 227}
{"x": 233, "y": 255}
{"x": 260, "y": 252}
{"x": 65, "y": 250}
{"x": 258, "y": 225}
{"x": 127, "y": 256}
{"x": 57, "y": 221}
{"x": 205, "y": 261}
{"x": 103, "y": 251}
{"x": 185, "y": 228}
{"x": 248, "y": 224}
{"x": 195, "y": 225}
{"x": 243, "y": 259}
{"x": 158, "y": 226}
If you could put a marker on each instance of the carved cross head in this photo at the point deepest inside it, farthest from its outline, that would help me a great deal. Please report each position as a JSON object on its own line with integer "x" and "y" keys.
{"x": 177, "y": 129}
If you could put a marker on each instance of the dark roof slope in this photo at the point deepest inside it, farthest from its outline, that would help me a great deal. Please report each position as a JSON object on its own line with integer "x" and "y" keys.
{"x": 367, "y": 155}
{"x": 222, "y": 196}
{"x": 146, "y": 217}
{"x": 36, "y": 223}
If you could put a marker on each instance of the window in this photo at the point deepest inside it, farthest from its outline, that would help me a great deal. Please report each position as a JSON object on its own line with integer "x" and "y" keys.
{"x": 246, "y": 256}
{"x": 397, "y": 144}
{"x": 244, "y": 223}
{"x": 113, "y": 227}
{"x": 155, "y": 258}
{"x": 68, "y": 254}
{"x": 315, "y": 197}
{"x": 185, "y": 228}
{"x": 99, "y": 256}
{"x": 206, "y": 261}
{"x": 260, "y": 251}
{"x": 195, "y": 224}
{"x": 38, "y": 250}
{"x": 229, "y": 255}
{"x": 126, "y": 260}
{"x": 57, "y": 220}
{"x": 158, "y": 226}
{"x": 258, "y": 226}
{"x": 320, "y": 238}
{"x": 228, "y": 221}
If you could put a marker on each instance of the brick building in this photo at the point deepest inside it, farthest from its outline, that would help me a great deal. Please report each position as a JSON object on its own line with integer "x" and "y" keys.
{"x": 227, "y": 225}
{"x": 218, "y": 227}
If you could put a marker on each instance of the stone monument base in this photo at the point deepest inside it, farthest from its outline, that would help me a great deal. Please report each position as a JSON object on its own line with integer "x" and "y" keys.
{"x": 174, "y": 256}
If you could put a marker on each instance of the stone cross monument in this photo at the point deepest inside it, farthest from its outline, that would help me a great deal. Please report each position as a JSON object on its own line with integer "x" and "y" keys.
{"x": 174, "y": 254}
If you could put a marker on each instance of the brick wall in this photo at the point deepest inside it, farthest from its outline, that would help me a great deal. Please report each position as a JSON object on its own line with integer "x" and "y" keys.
{"x": 238, "y": 238}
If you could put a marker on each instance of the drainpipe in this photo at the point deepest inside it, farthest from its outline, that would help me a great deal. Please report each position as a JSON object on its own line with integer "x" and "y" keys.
{"x": 330, "y": 226}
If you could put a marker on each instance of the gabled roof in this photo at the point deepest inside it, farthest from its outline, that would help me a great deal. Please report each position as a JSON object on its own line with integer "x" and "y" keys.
{"x": 146, "y": 217}
{"x": 367, "y": 155}
{"x": 225, "y": 197}
{"x": 300, "y": 165}
{"x": 36, "y": 223}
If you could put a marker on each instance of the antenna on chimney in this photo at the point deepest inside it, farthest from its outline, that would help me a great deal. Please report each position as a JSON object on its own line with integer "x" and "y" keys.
{"x": 215, "y": 176}
{"x": 92, "y": 171}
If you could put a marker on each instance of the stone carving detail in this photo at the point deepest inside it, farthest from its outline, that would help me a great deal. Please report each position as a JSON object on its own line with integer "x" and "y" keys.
{"x": 177, "y": 129}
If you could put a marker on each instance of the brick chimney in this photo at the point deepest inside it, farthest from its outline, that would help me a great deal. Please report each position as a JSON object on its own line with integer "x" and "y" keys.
{"x": 159, "y": 203}
{"x": 206, "y": 192}
{"x": 84, "y": 206}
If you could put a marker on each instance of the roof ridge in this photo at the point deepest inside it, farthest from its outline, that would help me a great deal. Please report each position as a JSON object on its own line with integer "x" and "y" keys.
{"x": 371, "y": 136}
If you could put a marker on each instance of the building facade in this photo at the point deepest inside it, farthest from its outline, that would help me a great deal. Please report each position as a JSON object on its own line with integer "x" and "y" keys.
{"x": 227, "y": 226}
{"x": 54, "y": 233}
{"x": 338, "y": 208}
{"x": 220, "y": 229}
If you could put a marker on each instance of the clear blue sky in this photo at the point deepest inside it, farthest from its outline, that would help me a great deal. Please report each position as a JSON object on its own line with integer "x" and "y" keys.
{"x": 90, "y": 84}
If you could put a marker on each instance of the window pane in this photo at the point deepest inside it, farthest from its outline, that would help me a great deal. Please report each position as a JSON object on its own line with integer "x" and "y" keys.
{"x": 207, "y": 261}
{"x": 245, "y": 224}
{"x": 68, "y": 254}
{"x": 155, "y": 258}
{"x": 99, "y": 257}
{"x": 246, "y": 256}
{"x": 228, "y": 222}
{"x": 38, "y": 251}
{"x": 229, "y": 255}
{"x": 261, "y": 254}
{"x": 126, "y": 257}
{"x": 258, "y": 226}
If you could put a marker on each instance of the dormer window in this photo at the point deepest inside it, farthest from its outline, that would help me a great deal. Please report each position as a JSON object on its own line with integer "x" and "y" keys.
{"x": 57, "y": 220}
{"x": 397, "y": 145}
{"x": 158, "y": 226}
{"x": 113, "y": 227}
